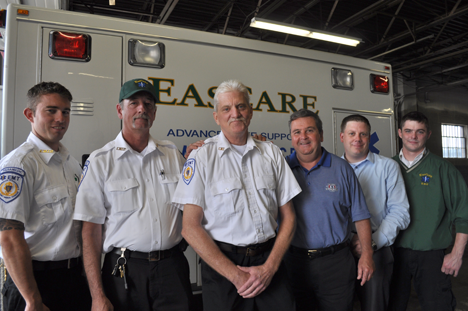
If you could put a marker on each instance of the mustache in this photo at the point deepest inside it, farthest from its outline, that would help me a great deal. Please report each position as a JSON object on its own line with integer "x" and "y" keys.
{"x": 237, "y": 119}
{"x": 141, "y": 116}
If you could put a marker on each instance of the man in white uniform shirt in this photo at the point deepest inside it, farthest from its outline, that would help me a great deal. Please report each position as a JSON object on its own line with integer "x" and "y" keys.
{"x": 232, "y": 190}
{"x": 125, "y": 202}
{"x": 38, "y": 185}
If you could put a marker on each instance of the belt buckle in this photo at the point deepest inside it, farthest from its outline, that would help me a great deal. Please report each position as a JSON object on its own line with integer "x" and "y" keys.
{"x": 313, "y": 253}
{"x": 249, "y": 251}
{"x": 154, "y": 256}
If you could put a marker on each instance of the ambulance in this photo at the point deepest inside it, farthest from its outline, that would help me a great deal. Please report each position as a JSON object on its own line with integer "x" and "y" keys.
{"x": 94, "y": 55}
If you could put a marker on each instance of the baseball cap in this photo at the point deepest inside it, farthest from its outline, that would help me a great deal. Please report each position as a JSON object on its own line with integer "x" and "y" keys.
{"x": 134, "y": 86}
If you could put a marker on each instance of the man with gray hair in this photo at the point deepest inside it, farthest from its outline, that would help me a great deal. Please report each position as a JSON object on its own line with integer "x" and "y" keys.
{"x": 232, "y": 191}
{"x": 125, "y": 205}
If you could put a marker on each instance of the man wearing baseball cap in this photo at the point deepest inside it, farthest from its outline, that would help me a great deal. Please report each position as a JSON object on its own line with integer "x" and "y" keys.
{"x": 124, "y": 201}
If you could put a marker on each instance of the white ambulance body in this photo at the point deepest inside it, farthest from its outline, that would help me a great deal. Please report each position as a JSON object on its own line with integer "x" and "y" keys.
{"x": 282, "y": 79}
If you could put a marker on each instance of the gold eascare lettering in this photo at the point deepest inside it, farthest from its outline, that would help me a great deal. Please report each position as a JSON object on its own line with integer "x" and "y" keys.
{"x": 159, "y": 90}
{"x": 192, "y": 93}
{"x": 164, "y": 88}
{"x": 308, "y": 100}
{"x": 211, "y": 94}
{"x": 287, "y": 100}
{"x": 265, "y": 100}
{"x": 121, "y": 148}
{"x": 46, "y": 151}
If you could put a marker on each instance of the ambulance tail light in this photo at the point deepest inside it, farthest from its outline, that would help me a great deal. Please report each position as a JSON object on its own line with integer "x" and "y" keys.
{"x": 146, "y": 53}
{"x": 69, "y": 46}
{"x": 342, "y": 79}
{"x": 379, "y": 84}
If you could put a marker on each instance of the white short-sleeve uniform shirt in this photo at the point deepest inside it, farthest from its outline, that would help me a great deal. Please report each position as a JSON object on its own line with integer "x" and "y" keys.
{"x": 130, "y": 194}
{"x": 38, "y": 188}
{"x": 239, "y": 193}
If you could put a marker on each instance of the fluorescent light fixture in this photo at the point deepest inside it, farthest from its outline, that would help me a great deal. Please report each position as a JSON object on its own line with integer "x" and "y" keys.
{"x": 304, "y": 32}
{"x": 280, "y": 28}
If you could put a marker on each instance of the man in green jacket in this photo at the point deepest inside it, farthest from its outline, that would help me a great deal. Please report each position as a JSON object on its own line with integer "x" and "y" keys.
{"x": 438, "y": 199}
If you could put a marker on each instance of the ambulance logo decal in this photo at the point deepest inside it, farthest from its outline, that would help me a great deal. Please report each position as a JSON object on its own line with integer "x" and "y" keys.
{"x": 188, "y": 171}
{"x": 425, "y": 179}
{"x": 331, "y": 187}
{"x": 11, "y": 183}
{"x": 83, "y": 173}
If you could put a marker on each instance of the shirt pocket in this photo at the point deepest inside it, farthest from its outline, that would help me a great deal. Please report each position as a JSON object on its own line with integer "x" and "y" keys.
{"x": 226, "y": 196}
{"x": 52, "y": 202}
{"x": 124, "y": 195}
{"x": 169, "y": 184}
{"x": 266, "y": 189}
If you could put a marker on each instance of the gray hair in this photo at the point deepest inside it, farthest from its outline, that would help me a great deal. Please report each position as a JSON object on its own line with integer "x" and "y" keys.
{"x": 231, "y": 86}
{"x": 304, "y": 113}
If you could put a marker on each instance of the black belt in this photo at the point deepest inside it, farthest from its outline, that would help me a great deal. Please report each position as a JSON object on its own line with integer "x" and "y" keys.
{"x": 150, "y": 256}
{"x": 249, "y": 250}
{"x": 321, "y": 252}
{"x": 52, "y": 265}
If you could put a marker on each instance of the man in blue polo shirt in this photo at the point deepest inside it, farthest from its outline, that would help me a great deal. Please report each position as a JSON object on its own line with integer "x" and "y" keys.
{"x": 320, "y": 265}
{"x": 383, "y": 186}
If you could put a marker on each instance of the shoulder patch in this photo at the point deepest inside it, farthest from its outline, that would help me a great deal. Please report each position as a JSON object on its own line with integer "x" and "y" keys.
{"x": 83, "y": 173}
{"x": 11, "y": 183}
{"x": 188, "y": 171}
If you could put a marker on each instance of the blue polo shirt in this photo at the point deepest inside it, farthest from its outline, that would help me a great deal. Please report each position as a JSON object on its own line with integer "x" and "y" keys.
{"x": 330, "y": 197}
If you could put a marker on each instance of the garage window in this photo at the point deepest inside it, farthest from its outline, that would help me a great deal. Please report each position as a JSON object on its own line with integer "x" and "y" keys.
{"x": 454, "y": 141}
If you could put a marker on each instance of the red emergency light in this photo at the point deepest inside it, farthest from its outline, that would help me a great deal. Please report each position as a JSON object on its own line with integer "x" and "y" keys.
{"x": 67, "y": 45}
{"x": 379, "y": 84}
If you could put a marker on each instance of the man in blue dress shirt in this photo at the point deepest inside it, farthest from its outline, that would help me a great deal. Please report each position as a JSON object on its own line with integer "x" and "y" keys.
{"x": 320, "y": 265}
{"x": 384, "y": 190}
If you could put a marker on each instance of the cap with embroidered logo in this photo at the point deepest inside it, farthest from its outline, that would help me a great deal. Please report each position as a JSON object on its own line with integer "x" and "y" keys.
{"x": 134, "y": 86}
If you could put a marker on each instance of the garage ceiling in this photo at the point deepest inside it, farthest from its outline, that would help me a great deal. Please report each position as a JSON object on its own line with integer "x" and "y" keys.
{"x": 424, "y": 40}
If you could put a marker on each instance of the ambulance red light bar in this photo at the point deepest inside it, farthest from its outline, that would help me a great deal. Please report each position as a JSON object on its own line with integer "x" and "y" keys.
{"x": 70, "y": 46}
{"x": 379, "y": 84}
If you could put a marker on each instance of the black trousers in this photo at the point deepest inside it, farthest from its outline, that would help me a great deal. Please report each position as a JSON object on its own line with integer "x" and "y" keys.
{"x": 60, "y": 289}
{"x": 433, "y": 287}
{"x": 374, "y": 295}
{"x": 152, "y": 285}
{"x": 325, "y": 283}
{"x": 221, "y": 295}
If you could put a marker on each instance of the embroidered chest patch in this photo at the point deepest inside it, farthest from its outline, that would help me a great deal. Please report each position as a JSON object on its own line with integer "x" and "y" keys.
{"x": 188, "y": 171}
{"x": 11, "y": 183}
{"x": 331, "y": 187}
{"x": 425, "y": 179}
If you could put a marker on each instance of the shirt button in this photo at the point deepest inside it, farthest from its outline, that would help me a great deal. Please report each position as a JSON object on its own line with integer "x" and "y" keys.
{"x": 152, "y": 200}
{"x": 147, "y": 180}
{"x": 55, "y": 198}
{"x": 155, "y": 220}
{"x": 255, "y": 212}
{"x": 156, "y": 242}
{"x": 226, "y": 189}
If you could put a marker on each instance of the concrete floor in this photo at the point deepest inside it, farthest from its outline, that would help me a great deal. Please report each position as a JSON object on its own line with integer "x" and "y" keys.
{"x": 459, "y": 288}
